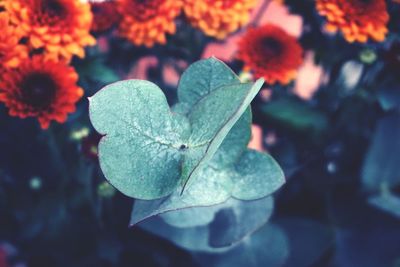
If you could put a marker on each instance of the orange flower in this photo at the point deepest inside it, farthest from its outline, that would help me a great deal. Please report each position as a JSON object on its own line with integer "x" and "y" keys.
{"x": 11, "y": 52}
{"x": 59, "y": 27}
{"x": 357, "y": 19}
{"x": 148, "y": 22}
{"x": 39, "y": 88}
{"x": 271, "y": 53}
{"x": 218, "y": 18}
{"x": 105, "y": 15}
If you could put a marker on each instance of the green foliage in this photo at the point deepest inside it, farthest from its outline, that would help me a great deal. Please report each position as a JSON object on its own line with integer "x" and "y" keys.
{"x": 296, "y": 115}
{"x": 140, "y": 154}
{"x": 386, "y": 202}
{"x": 382, "y": 161}
{"x": 191, "y": 158}
{"x": 229, "y": 223}
{"x": 203, "y": 77}
{"x": 389, "y": 98}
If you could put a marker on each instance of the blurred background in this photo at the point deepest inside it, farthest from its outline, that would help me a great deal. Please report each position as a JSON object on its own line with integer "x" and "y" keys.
{"x": 329, "y": 114}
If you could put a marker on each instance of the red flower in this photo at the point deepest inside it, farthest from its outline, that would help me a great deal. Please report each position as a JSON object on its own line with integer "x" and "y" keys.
{"x": 105, "y": 15}
{"x": 270, "y": 52}
{"x": 43, "y": 89}
{"x": 357, "y": 19}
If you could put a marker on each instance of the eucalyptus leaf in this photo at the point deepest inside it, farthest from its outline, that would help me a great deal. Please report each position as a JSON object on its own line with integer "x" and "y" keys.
{"x": 382, "y": 161}
{"x": 210, "y": 187}
{"x": 296, "y": 114}
{"x": 234, "y": 143}
{"x": 203, "y": 77}
{"x": 240, "y": 219}
{"x": 257, "y": 175}
{"x": 245, "y": 218}
{"x": 191, "y": 217}
{"x": 259, "y": 178}
{"x": 199, "y": 80}
{"x": 233, "y": 215}
{"x": 211, "y": 119}
{"x": 389, "y": 203}
{"x": 146, "y": 154}
{"x": 188, "y": 163}
{"x": 389, "y": 98}
{"x": 266, "y": 247}
{"x": 140, "y": 154}
{"x": 191, "y": 238}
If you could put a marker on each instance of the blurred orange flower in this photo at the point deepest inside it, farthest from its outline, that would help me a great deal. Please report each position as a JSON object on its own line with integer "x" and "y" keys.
{"x": 105, "y": 15}
{"x": 40, "y": 88}
{"x": 148, "y": 22}
{"x": 269, "y": 52}
{"x": 59, "y": 27}
{"x": 218, "y": 18}
{"x": 11, "y": 52}
{"x": 358, "y": 19}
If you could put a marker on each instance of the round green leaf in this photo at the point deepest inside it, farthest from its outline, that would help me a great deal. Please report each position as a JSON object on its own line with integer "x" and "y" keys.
{"x": 140, "y": 154}
{"x": 257, "y": 175}
{"x": 202, "y": 77}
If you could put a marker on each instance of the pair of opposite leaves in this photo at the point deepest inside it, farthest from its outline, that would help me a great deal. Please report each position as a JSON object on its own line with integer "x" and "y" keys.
{"x": 195, "y": 154}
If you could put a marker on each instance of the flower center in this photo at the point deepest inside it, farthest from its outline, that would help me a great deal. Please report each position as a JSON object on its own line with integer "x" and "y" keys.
{"x": 53, "y": 8}
{"x": 38, "y": 90}
{"x": 270, "y": 46}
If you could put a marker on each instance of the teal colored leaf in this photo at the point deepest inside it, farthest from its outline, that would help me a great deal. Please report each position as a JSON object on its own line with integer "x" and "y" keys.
{"x": 203, "y": 237}
{"x": 192, "y": 217}
{"x": 238, "y": 220}
{"x": 241, "y": 213}
{"x": 257, "y": 175}
{"x": 213, "y": 185}
{"x": 296, "y": 114}
{"x": 198, "y": 81}
{"x": 382, "y": 161}
{"x": 140, "y": 154}
{"x": 210, "y": 187}
{"x": 189, "y": 164}
{"x": 181, "y": 108}
{"x": 203, "y": 77}
{"x": 389, "y": 98}
{"x": 234, "y": 143}
{"x": 211, "y": 120}
{"x": 146, "y": 154}
{"x": 389, "y": 203}
{"x": 267, "y": 247}
{"x": 191, "y": 238}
